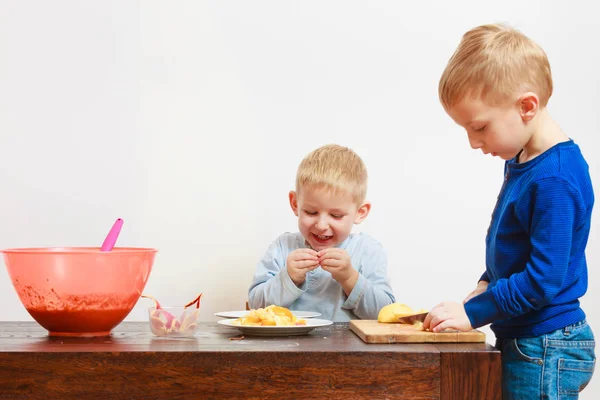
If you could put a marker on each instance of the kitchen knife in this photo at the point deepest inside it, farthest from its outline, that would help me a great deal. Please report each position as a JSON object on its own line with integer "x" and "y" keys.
{"x": 411, "y": 319}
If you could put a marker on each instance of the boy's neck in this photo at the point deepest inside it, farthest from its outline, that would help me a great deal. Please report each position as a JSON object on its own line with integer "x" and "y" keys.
{"x": 546, "y": 134}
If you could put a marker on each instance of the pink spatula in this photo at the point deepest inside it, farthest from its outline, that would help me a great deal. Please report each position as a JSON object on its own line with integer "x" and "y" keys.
{"x": 112, "y": 236}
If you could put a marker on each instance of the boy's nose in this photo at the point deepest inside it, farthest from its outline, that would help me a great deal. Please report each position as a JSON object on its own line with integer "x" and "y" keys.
{"x": 475, "y": 144}
{"x": 321, "y": 224}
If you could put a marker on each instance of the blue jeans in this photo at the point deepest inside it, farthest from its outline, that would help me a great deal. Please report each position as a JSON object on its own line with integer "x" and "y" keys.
{"x": 557, "y": 365}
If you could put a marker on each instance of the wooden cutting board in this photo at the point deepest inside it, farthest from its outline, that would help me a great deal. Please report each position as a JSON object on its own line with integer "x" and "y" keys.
{"x": 376, "y": 332}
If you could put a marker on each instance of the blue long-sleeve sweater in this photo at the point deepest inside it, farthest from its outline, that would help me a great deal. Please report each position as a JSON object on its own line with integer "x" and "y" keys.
{"x": 535, "y": 246}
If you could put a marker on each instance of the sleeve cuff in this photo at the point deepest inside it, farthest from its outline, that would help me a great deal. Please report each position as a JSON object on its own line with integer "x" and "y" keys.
{"x": 482, "y": 309}
{"x": 290, "y": 287}
{"x": 356, "y": 294}
{"x": 484, "y": 277}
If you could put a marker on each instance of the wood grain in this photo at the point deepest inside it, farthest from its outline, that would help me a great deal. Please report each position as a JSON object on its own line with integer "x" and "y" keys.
{"x": 219, "y": 375}
{"x": 331, "y": 362}
{"x": 478, "y": 376}
{"x": 371, "y": 331}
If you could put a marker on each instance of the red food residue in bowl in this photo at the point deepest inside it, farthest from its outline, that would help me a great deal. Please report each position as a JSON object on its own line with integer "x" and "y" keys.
{"x": 77, "y": 315}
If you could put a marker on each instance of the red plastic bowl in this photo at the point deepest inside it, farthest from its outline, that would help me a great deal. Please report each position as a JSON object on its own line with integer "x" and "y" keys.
{"x": 79, "y": 291}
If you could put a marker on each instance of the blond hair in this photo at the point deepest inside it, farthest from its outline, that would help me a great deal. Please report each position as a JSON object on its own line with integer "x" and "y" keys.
{"x": 334, "y": 168}
{"x": 495, "y": 62}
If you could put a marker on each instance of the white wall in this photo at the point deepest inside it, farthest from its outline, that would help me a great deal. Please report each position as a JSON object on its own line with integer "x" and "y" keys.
{"x": 188, "y": 120}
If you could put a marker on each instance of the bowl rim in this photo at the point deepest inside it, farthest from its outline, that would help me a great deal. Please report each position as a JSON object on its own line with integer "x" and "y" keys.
{"x": 79, "y": 250}
{"x": 167, "y": 308}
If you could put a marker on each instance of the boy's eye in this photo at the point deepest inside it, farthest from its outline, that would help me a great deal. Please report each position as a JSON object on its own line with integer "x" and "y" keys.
{"x": 310, "y": 212}
{"x": 481, "y": 129}
{"x": 337, "y": 216}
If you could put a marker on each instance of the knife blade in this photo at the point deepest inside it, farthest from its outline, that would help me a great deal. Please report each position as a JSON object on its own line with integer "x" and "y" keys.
{"x": 411, "y": 319}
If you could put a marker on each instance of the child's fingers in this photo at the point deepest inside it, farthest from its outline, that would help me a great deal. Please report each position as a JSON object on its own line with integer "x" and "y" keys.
{"x": 303, "y": 264}
{"x": 329, "y": 252}
{"x": 309, "y": 252}
{"x": 432, "y": 319}
{"x": 331, "y": 263}
{"x": 428, "y": 317}
{"x": 447, "y": 324}
{"x": 332, "y": 255}
{"x": 437, "y": 322}
{"x": 427, "y": 321}
{"x": 325, "y": 260}
{"x": 434, "y": 322}
{"x": 305, "y": 255}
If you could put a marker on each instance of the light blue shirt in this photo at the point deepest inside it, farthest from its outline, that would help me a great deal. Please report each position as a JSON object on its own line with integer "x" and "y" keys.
{"x": 320, "y": 292}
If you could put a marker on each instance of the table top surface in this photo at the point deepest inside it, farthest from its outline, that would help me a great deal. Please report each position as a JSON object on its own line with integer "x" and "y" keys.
{"x": 211, "y": 337}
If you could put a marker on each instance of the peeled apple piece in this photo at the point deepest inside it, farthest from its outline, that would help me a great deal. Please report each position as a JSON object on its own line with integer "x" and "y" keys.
{"x": 392, "y": 312}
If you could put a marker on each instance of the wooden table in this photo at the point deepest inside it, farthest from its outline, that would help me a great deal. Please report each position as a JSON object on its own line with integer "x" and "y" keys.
{"x": 330, "y": 362}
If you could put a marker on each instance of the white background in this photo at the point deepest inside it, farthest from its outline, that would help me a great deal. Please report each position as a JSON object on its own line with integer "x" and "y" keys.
{"x": 188, "y": 120}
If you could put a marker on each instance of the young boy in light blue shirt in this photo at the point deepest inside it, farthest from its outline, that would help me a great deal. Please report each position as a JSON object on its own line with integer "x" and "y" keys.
{"x": 324, "y": 267}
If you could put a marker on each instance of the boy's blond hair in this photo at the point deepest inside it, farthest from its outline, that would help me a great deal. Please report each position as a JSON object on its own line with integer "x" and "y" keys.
{"x": 495, "y": 63}
{"x": 335, "y": 168}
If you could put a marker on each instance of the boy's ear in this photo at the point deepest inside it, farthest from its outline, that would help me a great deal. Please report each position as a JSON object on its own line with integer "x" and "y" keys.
{"x": 363, "y": 211}
{"x": 529, "y": 105}
{"x": 294, "y": 202}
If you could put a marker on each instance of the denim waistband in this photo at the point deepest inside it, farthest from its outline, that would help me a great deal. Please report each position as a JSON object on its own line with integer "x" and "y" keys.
{"x": 576, "y": 325}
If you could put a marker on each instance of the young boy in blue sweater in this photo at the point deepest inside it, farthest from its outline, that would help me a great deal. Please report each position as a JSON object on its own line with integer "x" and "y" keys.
{"x": 496, "y": 86}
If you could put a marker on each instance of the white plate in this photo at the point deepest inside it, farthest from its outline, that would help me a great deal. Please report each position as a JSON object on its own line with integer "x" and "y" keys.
{"x": 311, "y": 324}
{"x": 239, "y": 314}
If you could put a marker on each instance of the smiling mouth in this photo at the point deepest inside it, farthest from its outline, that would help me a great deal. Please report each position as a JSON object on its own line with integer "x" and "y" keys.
{"x": 322, "y": 238}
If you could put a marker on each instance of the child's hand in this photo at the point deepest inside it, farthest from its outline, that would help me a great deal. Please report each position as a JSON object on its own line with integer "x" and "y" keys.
{"x": 337, "y": 263}
{"x": 447, "y": 316}
{"x": 299, "y": 262}
{"x": 481, "y": 287}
